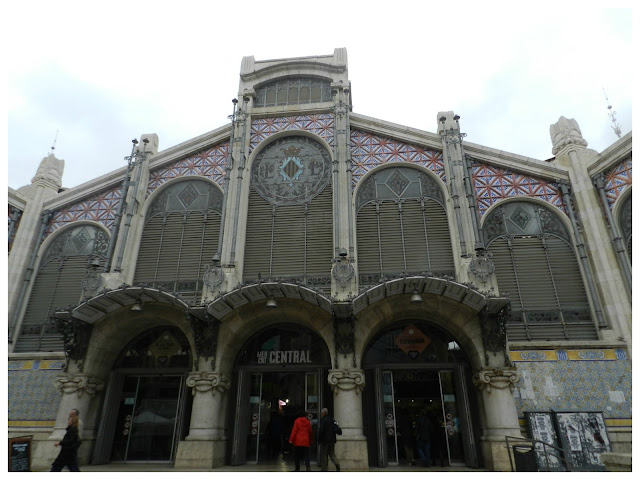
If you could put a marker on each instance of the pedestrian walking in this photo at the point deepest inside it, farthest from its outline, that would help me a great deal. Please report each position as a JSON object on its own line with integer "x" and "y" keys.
{"x": 300, "y": 438}
{"x": 68, "y": 456}
{"x": 424, "y": 428}
{"x": 327, "y": 432}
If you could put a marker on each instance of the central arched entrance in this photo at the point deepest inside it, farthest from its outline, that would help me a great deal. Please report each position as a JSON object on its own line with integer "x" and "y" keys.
{"x": 279, "y": 373}
{"x": 417, "y": 369}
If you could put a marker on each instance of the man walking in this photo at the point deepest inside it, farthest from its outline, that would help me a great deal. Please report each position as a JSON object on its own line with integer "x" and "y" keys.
{"x": 327, "y": 440}
{"x": 68, "y": 456}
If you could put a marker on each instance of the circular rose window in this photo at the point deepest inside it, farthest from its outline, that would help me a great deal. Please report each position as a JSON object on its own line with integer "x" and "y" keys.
{"x": 291, "y": 171}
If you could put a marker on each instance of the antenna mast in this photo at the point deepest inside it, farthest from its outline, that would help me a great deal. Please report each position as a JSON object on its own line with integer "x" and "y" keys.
{"x": 612, "y": 115}
{"x": 53, "y": 147}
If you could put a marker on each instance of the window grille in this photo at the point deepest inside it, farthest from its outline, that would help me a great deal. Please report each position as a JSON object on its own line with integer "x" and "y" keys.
{"x": 59, "y": 284}
{"x": 537, "y": 267}
{"x": 401, "y": 226}
{"x": 293, "y": 91}
{"x": 290, "y": 242}
{"x": 180, "y": 237}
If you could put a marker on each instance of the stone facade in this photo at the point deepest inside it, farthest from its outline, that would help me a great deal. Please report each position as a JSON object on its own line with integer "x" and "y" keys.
{"x": 223, "y": 305}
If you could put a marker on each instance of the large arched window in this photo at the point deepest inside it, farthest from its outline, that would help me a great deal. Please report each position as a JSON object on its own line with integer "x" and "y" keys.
{"x": 60, "y": 282}
{"x": 180, "y": 237}
{"x": 535, "y": 264}
{"x": 290, "y": 219}
{"x": 401, "y": 226}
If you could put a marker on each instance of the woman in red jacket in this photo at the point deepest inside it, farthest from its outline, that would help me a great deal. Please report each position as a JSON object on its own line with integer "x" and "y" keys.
{"x": 300, "y": 438}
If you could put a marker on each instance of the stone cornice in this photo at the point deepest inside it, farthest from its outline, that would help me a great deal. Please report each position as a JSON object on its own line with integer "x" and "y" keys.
{"x": 613, "y": 155}
{"x": 492, "y": 156}
{"x": 114, "y": 179}
{"x": 395, "y": 130}
{"x": 16, "y": 199}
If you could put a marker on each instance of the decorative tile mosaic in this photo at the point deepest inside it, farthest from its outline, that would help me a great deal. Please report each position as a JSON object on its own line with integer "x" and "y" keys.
{"x": 100, "y": 208}
{"x": 369, "y": 151}
{"x": 322, "y": 125}
{"x": 579, "y": 380}
{"x": 494, "y": 183}
{"x": 617, "y": 180}
{"x": 210, "y": 163}
{"x": 32, "y": 395}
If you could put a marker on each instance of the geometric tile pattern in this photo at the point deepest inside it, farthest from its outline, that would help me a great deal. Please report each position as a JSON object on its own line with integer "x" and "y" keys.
{"x": 322, "y": 125}
{"x": 574, "y": 380}
{"x": 100, "y": 208}
{"x": 210, "y": 163}
{"x": 32, "y": 394}
{"x": 369, "y": 151}
{"x": 616, "y": 180}
{"x": 495, "y": 183}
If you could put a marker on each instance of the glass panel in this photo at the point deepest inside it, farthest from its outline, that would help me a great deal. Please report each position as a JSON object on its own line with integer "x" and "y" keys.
{"x": 315, "y": 93}
{"x": 253, "y": 435}
{"x": 451, "y": 417}
{"x": 153, "y": 427}
{"x": 293, "y": 95}
{"x": 271, "y": 97}
{"x": 312, "y": 406}
{"x": 124, "y": 418}
{"x": 389, "y": 417}
{"x": 304, "y": 95}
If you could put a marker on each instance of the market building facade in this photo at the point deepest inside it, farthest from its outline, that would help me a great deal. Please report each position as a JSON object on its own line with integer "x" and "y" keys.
{"x": 304, "y": 256}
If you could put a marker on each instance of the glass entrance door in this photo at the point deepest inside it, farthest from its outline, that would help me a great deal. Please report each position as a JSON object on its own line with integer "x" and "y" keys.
{"x": 407, "y": 398}
{"x": 147, "y": 419}
{"x": 274, "y": 402}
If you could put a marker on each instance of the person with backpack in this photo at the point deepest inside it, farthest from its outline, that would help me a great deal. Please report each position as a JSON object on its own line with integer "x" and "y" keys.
{"x": 327, "y": 432}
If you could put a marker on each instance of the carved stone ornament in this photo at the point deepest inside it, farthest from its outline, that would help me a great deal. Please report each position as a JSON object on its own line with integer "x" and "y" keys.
{"x": 213, "y": 276}
{"x": 482, "y": 267}
{"x": 565, "y": 132}
{"x": 78, "y": 383}
{"x": 344, "y": 380}
{"x": 343, "y": 272}
{"x": 50, "y": 171}
{"x": 203, "y": 382}
{"x": 499, "y": 378}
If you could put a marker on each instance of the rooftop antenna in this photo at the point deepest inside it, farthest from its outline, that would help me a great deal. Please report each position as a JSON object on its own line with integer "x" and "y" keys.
{"x": 53, "y": 147}
{"x": 612, "y": 115}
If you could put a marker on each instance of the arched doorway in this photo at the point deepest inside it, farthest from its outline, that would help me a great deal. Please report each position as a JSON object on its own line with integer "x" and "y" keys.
{"x": 146, "y": 411}
{"x": 279, "y": 373}
{"x": 417, "y": 369}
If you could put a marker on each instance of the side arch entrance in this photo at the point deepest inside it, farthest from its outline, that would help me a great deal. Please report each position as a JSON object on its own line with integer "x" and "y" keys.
{"x": 278, "y": 374}
{"x": 418, "y": 373}
{"x": 146, "y": 408}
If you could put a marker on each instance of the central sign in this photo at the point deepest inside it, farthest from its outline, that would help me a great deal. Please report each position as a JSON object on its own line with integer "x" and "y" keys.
{"x": 283, "y": 356}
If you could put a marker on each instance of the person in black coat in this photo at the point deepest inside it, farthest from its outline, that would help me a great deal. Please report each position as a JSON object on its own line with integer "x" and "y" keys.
{"x": 327, "y": 431}
{"x": 68, "y": 456}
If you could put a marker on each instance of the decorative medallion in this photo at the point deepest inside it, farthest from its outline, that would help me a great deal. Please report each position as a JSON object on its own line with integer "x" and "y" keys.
{"x": 213, "y": 276}
{"x": 343, "y": 272}
{"x": 482, "y": 267}
{"x": 291, "y": 171}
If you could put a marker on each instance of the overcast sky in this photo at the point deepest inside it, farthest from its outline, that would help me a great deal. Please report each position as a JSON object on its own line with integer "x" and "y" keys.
{"x": 101, "y": 77}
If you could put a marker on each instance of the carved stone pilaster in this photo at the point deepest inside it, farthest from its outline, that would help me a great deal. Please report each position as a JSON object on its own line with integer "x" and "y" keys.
{"x": 344, "y": 380}
{"x": 499, "y": 378}
{"x": 79, "y": 384}
{"x": 202, "y": 382}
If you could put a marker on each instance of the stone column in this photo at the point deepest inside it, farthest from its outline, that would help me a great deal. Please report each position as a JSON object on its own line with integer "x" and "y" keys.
{"x": 501, "y": 417}
{"x": 205, "y": 445}
{"x": 351, "y": 449}
{"x": 79, "y": 392}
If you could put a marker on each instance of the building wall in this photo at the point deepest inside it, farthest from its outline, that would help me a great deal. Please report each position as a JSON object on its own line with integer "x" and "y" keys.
{"x": 475, "y": 180}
